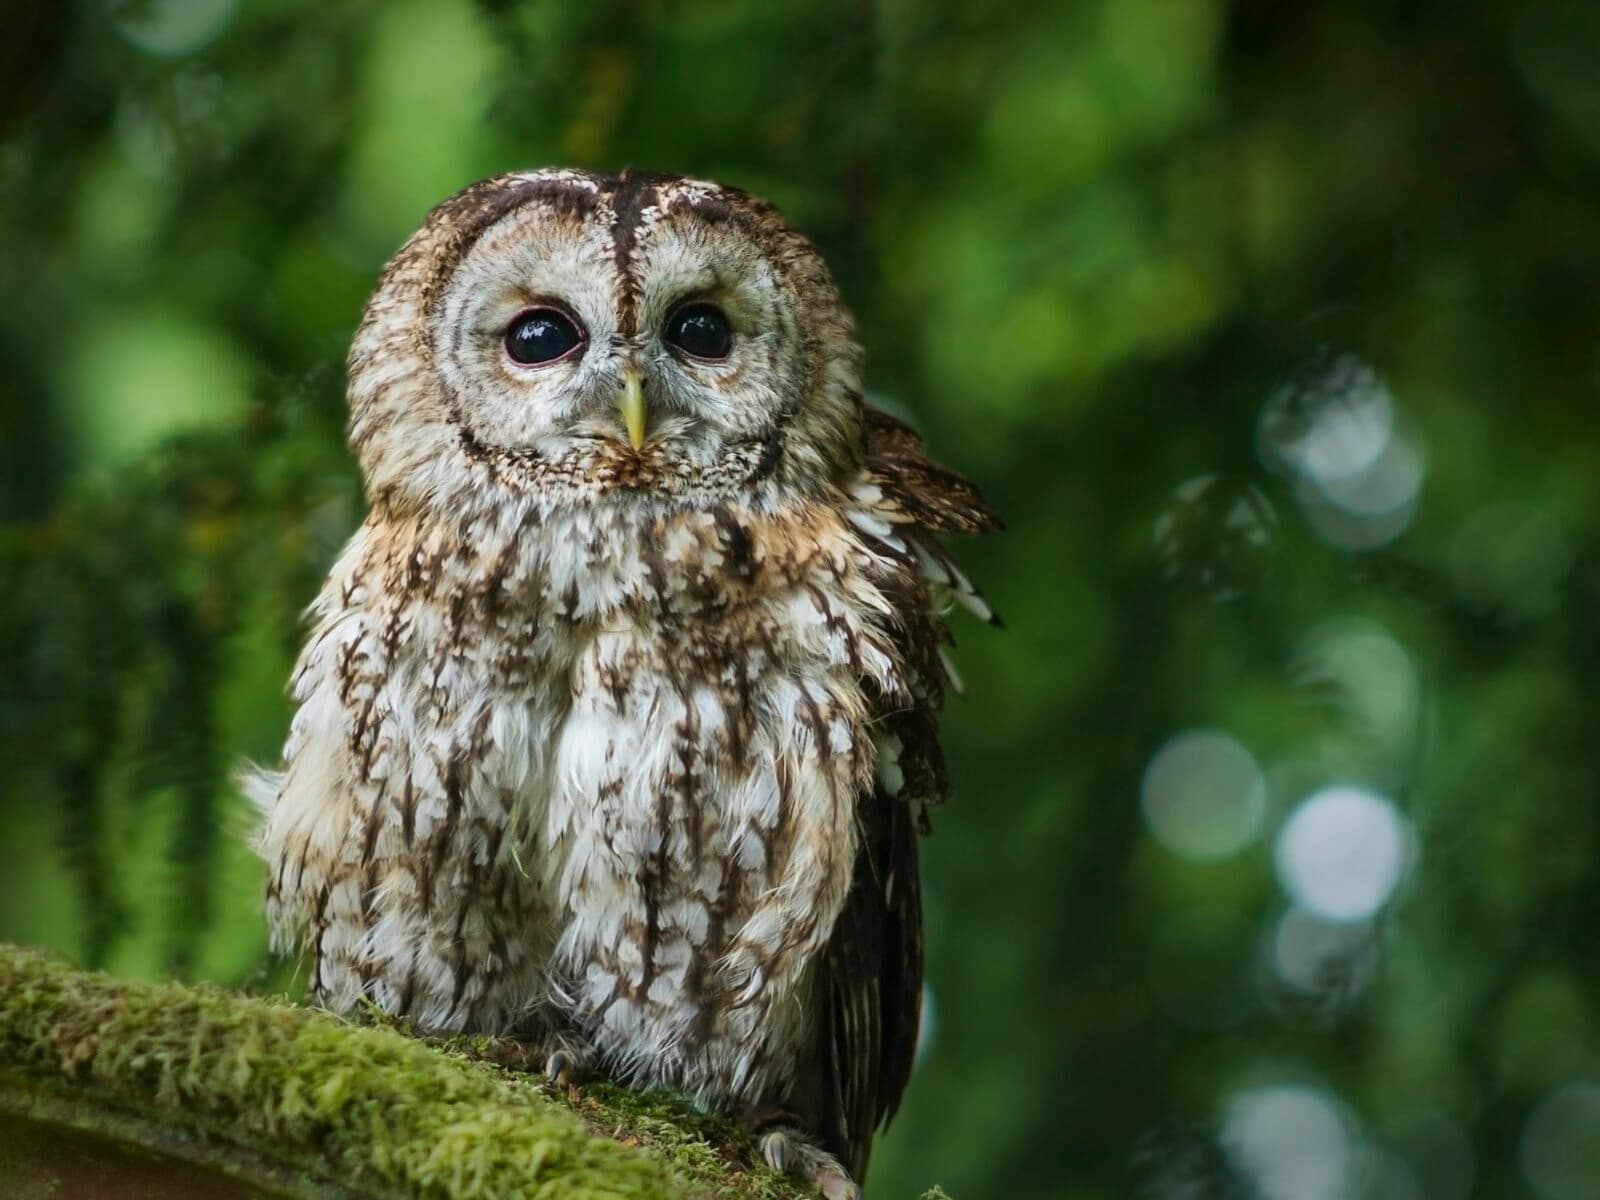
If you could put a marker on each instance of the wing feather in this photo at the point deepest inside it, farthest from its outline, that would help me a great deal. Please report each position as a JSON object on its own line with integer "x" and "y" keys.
{"x": 874, "y": 960}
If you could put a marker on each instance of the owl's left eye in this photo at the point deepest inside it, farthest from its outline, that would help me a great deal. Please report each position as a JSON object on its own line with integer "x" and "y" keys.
{"x": 542, "y": 335}
{"x": 700, "y": 330}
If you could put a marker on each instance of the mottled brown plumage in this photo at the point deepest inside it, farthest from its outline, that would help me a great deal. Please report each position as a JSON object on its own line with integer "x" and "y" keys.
{"x": 618, "y": 721}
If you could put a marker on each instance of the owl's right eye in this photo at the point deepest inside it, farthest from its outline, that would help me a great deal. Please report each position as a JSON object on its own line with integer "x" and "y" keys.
{"x": 542, "y": 335}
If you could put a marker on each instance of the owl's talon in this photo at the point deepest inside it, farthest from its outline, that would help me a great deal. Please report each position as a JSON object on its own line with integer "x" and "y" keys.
{"x": 568, "y": 1059}
{"x": 566, "y": 1067}
{"x": 791, "y": 1153}
{"x": 775, "y": 1149}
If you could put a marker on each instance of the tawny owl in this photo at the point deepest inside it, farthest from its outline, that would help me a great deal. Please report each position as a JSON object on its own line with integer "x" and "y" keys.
{"x": 617, "y": 725}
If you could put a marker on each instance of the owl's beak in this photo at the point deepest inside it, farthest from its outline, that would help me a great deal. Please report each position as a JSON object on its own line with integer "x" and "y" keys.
{"x": 631, "y": 404}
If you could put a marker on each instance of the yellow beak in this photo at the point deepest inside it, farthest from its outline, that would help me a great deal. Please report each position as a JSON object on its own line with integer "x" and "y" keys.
{"x": 631, "y": 404}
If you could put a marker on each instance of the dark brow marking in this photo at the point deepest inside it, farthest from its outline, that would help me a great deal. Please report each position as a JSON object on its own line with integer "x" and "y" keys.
{"x": 483, "y": 204}
{"x": 634, "y": 193}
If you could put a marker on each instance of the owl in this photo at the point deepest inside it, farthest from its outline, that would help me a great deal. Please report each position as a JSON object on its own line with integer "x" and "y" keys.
{"x": 616, "y": 725}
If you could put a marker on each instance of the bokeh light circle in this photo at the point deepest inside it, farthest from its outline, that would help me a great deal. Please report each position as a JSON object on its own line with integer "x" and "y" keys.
{"x": 1342, "y": 853}
{"x": 1334, "y": 429}
{"x": 1290, "y": 1141}
{"x": 1365, "y": 673}
{"x": 1329, "y": 424}
{"x": 1203, "y": 795}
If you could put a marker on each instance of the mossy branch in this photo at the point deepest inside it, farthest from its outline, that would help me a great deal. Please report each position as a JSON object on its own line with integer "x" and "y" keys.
{"x": 300, "y": 1103}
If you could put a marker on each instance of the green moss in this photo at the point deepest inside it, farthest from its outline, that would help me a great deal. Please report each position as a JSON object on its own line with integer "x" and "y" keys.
{"x": 306, "y": 1104}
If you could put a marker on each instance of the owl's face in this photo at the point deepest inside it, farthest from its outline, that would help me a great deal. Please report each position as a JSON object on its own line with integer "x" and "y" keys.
{"x": 630, "y": 335}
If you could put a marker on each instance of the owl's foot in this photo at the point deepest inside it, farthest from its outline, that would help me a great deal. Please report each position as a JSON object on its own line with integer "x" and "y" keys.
{"x": 563, "y": 1058}
{"x": 792, "y": 1153}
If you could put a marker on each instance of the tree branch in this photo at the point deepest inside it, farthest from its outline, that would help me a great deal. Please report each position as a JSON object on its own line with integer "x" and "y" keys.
{"x": 307, "y": 1105}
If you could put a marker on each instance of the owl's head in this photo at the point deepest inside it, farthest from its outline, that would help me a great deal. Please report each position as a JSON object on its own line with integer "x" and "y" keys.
{"x": 582, "y": 335}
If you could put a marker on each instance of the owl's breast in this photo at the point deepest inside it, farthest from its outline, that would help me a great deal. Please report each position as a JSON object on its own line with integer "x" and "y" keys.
{"x": 702, "y": 831}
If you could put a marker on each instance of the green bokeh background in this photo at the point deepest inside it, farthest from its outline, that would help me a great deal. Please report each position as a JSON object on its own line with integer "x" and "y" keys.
{"x": 1152, "y": 271}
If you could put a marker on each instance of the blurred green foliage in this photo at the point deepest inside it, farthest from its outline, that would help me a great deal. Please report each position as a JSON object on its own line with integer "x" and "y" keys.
{"x": 1271, "y": 331}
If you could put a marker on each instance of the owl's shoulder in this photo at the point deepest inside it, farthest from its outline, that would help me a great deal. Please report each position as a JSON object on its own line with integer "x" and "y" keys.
{"x": 922, "y": 490}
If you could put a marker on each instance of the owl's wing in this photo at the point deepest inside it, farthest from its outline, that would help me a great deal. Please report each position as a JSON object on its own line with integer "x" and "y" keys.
{"x": 874, "y": 961}
{"x": 874, "y": 968}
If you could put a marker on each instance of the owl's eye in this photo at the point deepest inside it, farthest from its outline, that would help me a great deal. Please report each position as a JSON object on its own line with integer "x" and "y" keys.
{"x": 699, "y": 330}
{"x": 542, "y": 335}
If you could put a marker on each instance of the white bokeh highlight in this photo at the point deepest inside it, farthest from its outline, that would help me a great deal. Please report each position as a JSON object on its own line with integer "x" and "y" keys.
{"x": 1291, "y": 1142}
{"x": 1203, "y": 795}
{"x": 1375, "y": 507}
{"x": 1336, "y": 432}
{"x": 1329, "y": 427}
{"x": 1343, "y": 852}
